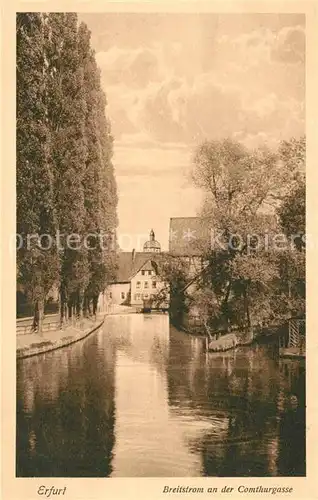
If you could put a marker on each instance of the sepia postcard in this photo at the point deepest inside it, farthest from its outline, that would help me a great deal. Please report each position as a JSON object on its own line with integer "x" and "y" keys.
{"x": 158, "y": 290}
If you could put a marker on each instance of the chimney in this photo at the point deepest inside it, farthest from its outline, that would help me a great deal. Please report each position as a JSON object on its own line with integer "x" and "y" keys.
{"x": 133, "y": 254}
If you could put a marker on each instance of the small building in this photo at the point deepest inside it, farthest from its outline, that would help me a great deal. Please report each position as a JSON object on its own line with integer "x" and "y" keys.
{"x": 147, "y": 285}
{"x": 138, "y": 278}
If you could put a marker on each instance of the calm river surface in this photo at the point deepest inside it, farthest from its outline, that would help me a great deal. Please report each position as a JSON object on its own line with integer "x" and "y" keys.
{"x": 139, "y": 398}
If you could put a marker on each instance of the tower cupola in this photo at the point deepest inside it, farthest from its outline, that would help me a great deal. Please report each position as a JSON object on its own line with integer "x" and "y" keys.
{"x": 152, "y": 245}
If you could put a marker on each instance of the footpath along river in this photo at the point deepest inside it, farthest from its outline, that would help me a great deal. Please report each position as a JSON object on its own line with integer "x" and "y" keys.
{"x": 139, "y": 398}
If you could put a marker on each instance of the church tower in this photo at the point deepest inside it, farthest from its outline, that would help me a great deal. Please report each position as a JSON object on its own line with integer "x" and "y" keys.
{"x": 152, "y": 245}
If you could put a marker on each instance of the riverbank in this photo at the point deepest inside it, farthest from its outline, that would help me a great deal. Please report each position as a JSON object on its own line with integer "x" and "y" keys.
{"x": 227, "y": 342}
{"x": 224, "y": 343}
{"x": 33, "y": 344}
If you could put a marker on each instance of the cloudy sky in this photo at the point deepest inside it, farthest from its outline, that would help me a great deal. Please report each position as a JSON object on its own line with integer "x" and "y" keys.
{"x": 173, "y": 80}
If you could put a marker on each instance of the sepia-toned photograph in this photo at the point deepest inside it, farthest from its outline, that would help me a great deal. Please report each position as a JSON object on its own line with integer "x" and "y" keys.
{"x": 160, "y": 245}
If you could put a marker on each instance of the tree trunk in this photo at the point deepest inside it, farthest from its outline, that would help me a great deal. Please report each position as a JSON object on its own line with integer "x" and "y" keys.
{"x": 78, "y": 308}
{"x": 65, "y": 311}
{"x": 247, "y": 311}
{"x": 225, "y": 306}
{"x": 38, "y": 316}
{"x": 85, "y": 306}
{"x": 289, "y": 299}
{"x": 95, "y": 302}
{"x": 35, "y": 325}
{"x": 62, "y": 305}
{"x": 248, "y": 316}
{"x": 80, "y": 304}
{"x": 70, "y": 310}
{"x": 208, "y": 331}
{"x": 41, "y": 315}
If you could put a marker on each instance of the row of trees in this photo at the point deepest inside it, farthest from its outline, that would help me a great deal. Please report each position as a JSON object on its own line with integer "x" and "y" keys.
{"x": 255, "y": 262}
{"x": 65, "y": 177}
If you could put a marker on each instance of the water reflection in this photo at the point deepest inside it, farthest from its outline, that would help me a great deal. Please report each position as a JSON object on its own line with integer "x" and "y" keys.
{"x": 254, "y": 404}
{"x": 140, "y": 398}
{"x": 65, "y": 412}
{"x": 146, "y": 437}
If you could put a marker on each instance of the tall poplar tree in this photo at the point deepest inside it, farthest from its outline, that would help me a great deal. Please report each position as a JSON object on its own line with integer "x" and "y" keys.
{"x": 66, "y": 110}
{"x": 37, "y": 258}
{"x": 99, "y": 181}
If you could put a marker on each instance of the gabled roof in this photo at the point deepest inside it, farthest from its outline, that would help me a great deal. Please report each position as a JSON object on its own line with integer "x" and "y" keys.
{"x": 188, "y": 236}
{"x": 129, "y": 263}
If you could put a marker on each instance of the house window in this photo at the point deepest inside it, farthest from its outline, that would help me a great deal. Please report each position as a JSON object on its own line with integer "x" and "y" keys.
{"x": 110, "y": 295}
{"x": 143, "y": 273}
{"x": 138, "y": 284}
{"x": 149, "y": 273}
{"x": 154, "y": 284}
{"x": 122, "y": 295}
{"x": 146, "y": 284}
{"x": 137, "y": 296}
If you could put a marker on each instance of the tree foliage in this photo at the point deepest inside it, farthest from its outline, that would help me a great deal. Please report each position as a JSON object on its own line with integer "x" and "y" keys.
{"x": 292, "y": 212}
{"x": 246, "y": 200}
{"x": 65, "y": 176}
{"x": 172, "y": 273}
{"x": 292, "y": 218}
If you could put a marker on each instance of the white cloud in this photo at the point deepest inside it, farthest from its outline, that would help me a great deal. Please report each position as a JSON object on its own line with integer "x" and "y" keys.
{"x": 246, "y": 87}
{"x": 290, "y": 45}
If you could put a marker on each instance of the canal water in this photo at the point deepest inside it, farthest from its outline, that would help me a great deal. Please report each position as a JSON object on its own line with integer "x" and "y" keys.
{"x": 139, "y": 398}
